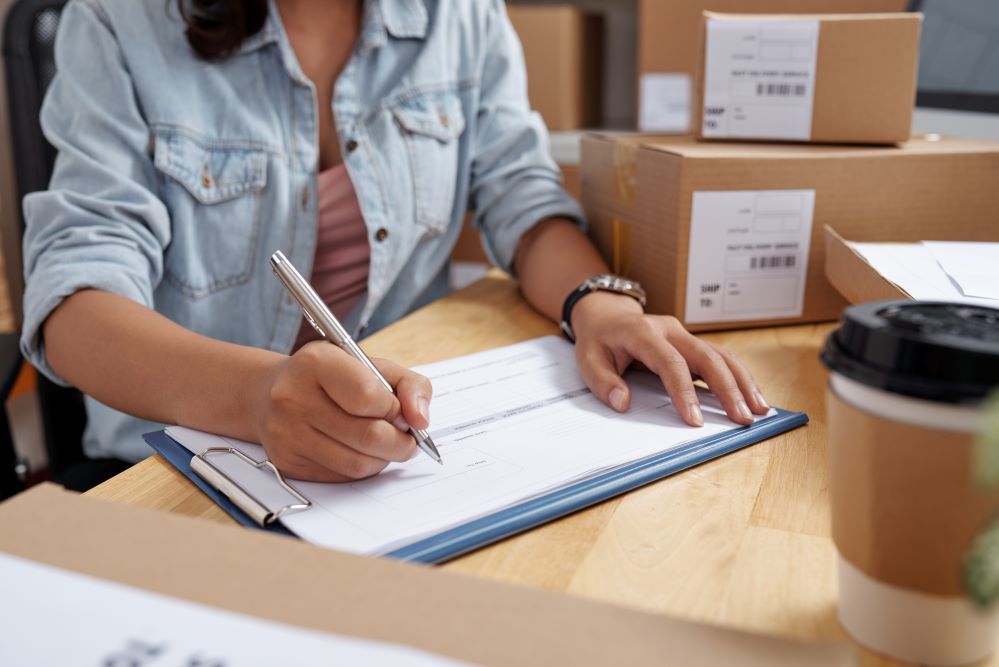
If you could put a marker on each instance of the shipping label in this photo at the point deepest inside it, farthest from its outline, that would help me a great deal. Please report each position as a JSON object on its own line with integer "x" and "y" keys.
{"x": 748, "y": 256}
{"x": 759, "y": 78}
{"x": 664, "y": 103}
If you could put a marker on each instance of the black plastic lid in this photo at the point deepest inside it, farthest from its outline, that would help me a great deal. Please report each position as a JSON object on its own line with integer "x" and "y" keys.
{"x": 945, "y": 352}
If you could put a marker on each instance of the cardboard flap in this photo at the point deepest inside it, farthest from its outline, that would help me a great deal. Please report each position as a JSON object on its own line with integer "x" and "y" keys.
{"x": 303, "y": 585}
{"x": 852, "y": 276}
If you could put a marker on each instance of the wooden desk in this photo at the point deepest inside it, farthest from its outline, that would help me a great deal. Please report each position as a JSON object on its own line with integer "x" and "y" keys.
{"x": 743, "y": 541}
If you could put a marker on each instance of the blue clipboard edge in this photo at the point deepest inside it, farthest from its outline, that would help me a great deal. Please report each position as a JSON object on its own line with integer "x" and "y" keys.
{"x": 537, "y": 511}
{"x": 543, "y": 509}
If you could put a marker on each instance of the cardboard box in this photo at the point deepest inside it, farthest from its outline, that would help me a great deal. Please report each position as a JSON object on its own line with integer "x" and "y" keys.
{"x": 563, "y": 49}
{"x": 288, "y": 581}
{"x": 895, "y": 271}
{"x": 668, "y": 49}
{"x": 853, "y": 276}
{"x": 834, "y": 78}
{"x": 757, "y": 213}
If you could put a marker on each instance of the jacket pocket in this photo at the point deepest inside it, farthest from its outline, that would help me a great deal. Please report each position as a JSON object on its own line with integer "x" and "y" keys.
{"x": 212, "y": 190}
{"x": 431, "y": 124}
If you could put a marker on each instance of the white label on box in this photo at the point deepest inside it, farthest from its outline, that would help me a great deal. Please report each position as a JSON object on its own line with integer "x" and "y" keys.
{"x": 759, "y": 78}
{"x": 664, "y": 103}
{"x": 101, "y": 622}
{"x": 748, "y": 256}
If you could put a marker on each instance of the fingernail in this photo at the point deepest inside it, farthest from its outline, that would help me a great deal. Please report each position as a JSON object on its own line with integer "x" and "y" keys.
{"x": 759, "y": 399}
{"x": 743, "y": 410}
{"x": 423, "y": 407}
{"x": 400, "y": 423}
{"x": 618, "y": 399}
{"x": 695, "y": 414}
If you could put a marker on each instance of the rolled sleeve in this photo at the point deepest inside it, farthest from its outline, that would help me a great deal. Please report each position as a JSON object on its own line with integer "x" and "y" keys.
{"x": 515, "y": 182}
{"x": 100, "y": 224}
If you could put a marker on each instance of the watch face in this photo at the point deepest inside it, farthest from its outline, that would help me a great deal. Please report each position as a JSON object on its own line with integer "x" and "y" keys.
{"x": 616, "y": 283}
{"x": 607, "y": 281}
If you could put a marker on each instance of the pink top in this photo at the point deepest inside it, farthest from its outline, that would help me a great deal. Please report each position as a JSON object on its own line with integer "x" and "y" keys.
{"x": 340, "y": 271}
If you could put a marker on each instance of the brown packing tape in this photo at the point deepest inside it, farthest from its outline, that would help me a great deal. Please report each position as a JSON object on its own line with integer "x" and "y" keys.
{"x": 288, "y": 581}
{"x": 621, "y": 247}
{"x": 625, "y": 153}
{"x": 904, "y": 505}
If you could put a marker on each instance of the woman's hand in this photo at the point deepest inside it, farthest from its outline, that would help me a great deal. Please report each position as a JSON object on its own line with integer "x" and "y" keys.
{"x": 612, "y": 331}
{"x": 325, "y": 417}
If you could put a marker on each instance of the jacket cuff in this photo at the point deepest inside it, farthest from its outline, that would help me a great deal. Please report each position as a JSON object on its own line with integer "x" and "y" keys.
{"x": 526, "y": 206}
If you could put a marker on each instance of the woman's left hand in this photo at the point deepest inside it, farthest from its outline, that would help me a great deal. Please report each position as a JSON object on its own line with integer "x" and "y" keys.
{"x": 612, "y": 331}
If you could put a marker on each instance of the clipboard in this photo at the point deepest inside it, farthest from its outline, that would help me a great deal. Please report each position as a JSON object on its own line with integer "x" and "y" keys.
{"x": 228, "y": 489}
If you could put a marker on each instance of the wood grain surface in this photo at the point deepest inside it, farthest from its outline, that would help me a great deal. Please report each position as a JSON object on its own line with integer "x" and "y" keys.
{"x": 742, "y": 541}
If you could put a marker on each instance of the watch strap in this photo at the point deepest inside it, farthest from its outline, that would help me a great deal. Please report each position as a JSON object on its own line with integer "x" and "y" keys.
{"x": 570, "y": 301}
{"x": 602, "y": 282}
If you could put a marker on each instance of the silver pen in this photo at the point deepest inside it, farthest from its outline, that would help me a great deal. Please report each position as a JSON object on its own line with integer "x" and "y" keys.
{"x": 323, "y": 321}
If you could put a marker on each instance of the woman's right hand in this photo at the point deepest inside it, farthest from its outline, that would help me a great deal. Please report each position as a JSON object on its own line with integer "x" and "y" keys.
{"x": 325, "y": 417}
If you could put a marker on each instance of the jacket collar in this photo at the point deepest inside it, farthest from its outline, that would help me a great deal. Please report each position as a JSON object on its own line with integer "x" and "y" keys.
{"x": 269, "y": 34}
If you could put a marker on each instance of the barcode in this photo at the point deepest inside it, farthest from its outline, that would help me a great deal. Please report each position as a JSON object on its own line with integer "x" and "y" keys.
{"x": 773, "y": 262}
{"x": 781, "y": 89}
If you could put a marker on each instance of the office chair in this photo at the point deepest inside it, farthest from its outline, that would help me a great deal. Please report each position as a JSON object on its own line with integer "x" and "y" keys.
{"x": 29, "y": 58}
{"x": 13, "y": 470}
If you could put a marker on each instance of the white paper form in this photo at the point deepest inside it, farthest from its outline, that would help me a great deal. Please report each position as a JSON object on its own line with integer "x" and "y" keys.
{"x": 748, "y": 256}
{"x": 511, "y": 424}
{"x": 974, "y": 267}
{"x": 101, "y": 622}
{"x": 759, "y": 78}
{"x": 913, "y": 268}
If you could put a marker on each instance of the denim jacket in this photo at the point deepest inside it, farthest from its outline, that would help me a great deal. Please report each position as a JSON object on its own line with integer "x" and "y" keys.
{"x": 177, "y": 178}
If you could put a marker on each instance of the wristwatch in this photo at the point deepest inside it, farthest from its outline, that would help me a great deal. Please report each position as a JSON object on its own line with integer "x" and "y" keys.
{"x": 605, "y": 282}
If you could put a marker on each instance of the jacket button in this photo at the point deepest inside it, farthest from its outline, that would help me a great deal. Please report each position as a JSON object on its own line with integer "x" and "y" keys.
{"x": 351, "y": 146}
{"x": 381, "y": 234}
{"x": 305, "y": 198}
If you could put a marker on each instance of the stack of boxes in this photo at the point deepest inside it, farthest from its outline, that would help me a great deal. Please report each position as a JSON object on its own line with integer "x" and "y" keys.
{"x": 802, "y": 122}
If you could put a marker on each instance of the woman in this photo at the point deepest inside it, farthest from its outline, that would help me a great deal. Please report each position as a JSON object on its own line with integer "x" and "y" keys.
{"x": 195, "y": 139}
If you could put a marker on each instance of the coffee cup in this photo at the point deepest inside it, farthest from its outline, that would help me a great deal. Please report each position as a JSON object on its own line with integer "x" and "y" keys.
{"x": 907, "y": 380}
